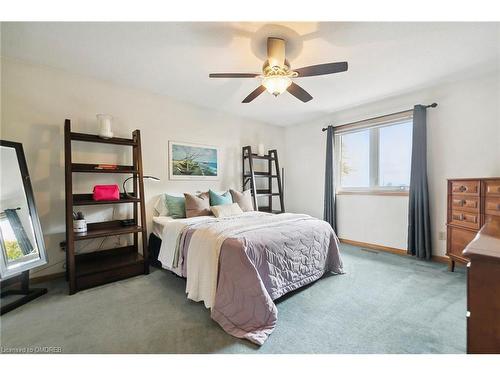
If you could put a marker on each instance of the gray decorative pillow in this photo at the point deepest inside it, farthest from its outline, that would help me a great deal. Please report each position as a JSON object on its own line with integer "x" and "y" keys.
{"x": 244, "y": 199}
{"x": 197, "y": 205}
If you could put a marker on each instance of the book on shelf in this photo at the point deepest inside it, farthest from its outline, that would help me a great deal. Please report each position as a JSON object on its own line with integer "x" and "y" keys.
{"x": 106, "y": 166}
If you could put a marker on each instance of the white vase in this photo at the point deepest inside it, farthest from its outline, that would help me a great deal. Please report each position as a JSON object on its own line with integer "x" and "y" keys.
{"x": 260, "y": 149}
{"x": 104, "y": 123}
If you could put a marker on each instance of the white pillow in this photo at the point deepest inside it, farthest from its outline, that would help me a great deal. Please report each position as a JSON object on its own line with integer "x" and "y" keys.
{"x": 160, "y": 208}
{"x": 225, "y": 210}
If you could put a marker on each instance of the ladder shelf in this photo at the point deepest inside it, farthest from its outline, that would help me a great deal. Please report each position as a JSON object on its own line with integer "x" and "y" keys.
{"x": 250, "y": 176}
{"x": 98, "y": 267}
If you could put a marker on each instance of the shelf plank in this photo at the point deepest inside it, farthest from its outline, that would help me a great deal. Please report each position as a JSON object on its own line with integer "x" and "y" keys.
{"x": 264, "y": 157}
{"x": 266, "y": 193}
{"x": 86, "y": 200}
{"x": 260, "y": 174}
{"x": 96, "y": 139}
{"x": 105, "y": 229}
{"x": 92, "y": 168}
{"x": 106, "y": 260}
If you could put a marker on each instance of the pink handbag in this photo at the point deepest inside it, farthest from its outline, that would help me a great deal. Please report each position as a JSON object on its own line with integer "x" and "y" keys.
{"x": 106, "y": 193}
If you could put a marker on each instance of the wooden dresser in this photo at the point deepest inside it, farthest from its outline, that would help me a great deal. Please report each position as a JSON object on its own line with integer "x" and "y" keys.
{"x": 471, "y": 201}
{"x": 483, "y": 289}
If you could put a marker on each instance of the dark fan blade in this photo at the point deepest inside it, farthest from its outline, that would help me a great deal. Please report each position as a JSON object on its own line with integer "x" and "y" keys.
{"x": 233, "y": 75}
{"x": 299, "y": 92}
{"x": 318, "y": 70}
{"x": 259, "y": 90}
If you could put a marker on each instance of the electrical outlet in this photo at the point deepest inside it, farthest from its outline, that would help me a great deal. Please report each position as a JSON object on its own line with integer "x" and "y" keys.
{"x": 442, "y": 236}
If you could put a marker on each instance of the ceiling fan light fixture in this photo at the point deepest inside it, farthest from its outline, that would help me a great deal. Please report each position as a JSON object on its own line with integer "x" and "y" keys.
{"x": 276, "y": 84}
{"x": 277, "y": 73}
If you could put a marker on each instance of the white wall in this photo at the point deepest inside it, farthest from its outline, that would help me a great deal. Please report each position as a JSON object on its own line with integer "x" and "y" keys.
{"x": 463, "y": 141}
{"x": 36, "y": 100}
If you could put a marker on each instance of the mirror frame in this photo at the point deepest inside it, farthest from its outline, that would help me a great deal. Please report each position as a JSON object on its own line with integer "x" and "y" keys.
{"x": 5, "y": 271}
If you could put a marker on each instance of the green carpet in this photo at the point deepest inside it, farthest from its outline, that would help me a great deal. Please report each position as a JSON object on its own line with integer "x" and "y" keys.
{"x": 385, "y": 303}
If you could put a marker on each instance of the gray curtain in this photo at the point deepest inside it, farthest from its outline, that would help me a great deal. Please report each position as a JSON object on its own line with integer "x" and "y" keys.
{"x": 419, "y": 227}
{"x": 18, "y": 229}
{"x": 329, "y": 212}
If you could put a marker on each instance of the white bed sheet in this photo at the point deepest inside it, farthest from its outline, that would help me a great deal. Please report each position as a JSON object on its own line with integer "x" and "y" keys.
{"x": 159, "y": 223}
{"x": 168, "y": 230}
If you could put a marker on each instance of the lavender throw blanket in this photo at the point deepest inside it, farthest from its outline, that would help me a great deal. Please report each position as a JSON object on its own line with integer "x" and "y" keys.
{"x": 259, "y": 266}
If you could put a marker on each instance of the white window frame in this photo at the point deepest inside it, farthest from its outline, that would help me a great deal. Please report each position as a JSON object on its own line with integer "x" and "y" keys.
{"x": 379, "y": 122}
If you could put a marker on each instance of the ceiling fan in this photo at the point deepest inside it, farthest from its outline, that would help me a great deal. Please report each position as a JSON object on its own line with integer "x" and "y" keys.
{"x": 277, "y": 75}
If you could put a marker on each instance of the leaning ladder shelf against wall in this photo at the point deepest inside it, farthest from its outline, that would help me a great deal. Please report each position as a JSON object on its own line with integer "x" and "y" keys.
{"x": 250, "y": 176}
{"x": 99, "y": 267}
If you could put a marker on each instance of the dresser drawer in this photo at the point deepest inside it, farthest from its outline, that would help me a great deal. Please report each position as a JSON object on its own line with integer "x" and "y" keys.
{"x": 465, "y": 187}
{"x": 465, "y": 219}
{"x": 464, "y": 203}
{"x": 492, "y": 206}
{"x": 492, "y": 187}
{"x": 458, "y": 239}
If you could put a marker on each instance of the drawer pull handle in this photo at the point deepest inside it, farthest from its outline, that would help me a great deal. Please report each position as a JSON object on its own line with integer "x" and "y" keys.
{"x": 462, "y": 217}
{"x": 462, "y": 188}
{"x": 465, "y": 203}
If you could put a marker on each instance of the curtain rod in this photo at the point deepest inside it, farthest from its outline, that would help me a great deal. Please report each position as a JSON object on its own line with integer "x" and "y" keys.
{"x": 433, "y": 105}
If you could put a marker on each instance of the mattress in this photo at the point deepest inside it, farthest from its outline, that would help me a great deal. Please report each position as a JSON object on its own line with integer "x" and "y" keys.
{"x": 159, "y": 224}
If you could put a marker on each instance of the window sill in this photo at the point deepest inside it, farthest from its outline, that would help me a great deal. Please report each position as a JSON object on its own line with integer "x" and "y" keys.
{"x": 400, "y": 193}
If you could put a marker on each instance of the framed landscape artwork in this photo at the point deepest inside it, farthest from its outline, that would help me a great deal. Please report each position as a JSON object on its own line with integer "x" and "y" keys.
{"x": 188, "y": 161}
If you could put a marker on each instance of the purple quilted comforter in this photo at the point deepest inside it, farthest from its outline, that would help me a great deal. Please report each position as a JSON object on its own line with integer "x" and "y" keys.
{"x": 259, "y": 266}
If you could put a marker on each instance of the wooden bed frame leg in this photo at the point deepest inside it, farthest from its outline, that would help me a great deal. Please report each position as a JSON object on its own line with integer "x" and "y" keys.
{"x": 451, "y": 265}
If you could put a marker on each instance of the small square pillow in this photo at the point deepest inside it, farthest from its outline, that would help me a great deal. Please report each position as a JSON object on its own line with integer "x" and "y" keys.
{"x": 243, "y": 199}
{"x": 197, "y": 205}
{"x": 225, "y": 210}
{"x": 176, "y": 206}
{"x": 217, "y": 199}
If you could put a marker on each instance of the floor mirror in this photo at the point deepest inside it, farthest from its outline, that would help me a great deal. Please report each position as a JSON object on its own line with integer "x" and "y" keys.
{"x": 21, "y": 239}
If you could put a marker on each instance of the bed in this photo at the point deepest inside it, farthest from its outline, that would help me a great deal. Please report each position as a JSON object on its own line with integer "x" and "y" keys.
{"x": 237, "y": 266}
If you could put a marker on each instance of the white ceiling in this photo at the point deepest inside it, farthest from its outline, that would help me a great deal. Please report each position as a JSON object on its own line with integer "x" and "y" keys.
{"x": 175, "y": 59}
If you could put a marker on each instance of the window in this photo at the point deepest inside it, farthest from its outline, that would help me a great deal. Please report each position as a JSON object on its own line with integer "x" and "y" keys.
{"x": 374, "y": 156}
{"x": 355, "y": 155}
{"x": 12, "y": 248}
